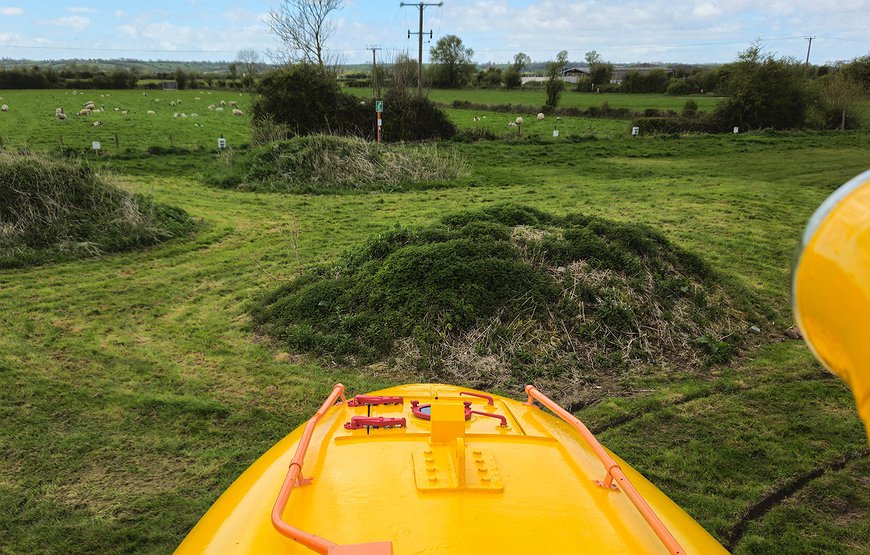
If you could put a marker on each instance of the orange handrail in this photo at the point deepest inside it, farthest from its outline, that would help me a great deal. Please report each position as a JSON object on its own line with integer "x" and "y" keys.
{"x": 294, "y": 478}
{"x": 614, "y": 472}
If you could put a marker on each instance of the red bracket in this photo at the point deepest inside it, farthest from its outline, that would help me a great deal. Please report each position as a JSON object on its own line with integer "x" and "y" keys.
{"x": 360, "y": 422}
{"x": 371, "y": 400}
{"x": 480, "y": 395}
{"x": 499, "y": 416}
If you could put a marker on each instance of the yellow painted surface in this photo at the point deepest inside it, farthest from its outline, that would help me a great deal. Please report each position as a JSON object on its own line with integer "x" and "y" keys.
{"x": 365, "y": 489}
{"x": 832, "y": 288}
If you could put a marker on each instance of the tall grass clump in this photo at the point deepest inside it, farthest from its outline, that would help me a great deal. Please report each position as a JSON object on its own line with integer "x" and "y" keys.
{"x": 324, "y": 163}
{"x": 510, "y": 295}
{"x": 61, "y": 209}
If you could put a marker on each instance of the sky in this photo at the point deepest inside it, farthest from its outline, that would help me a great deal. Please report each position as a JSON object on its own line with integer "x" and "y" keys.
{"x": 622, "y": 31}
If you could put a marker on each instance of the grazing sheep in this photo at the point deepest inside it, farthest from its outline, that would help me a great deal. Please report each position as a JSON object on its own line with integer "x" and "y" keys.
{"x": 540, "y": 116}
{"x": 176, "y": 114}
{"x": 151, "y": 112}
{"x": 183, "y": 115}
{"x": 172, "y": 103}
{"x": 475, "y": 118}
{"x": 97, "y": 123}
{"x": 223, "y": 103}
{"x": 58, "y": 112}
{"x": 4, "y": 108}
{"x": 193, "y": 114}
{"x": 512, "y": 124}
{"x": 237, "y": 112}
{"x": 83, "y": 112}
{"x": 219, "y": 109}
{"x": 234, "y": 104}
{"x": 124, "y": 112}
{"x": 117, "y": 109}
{"x": 211, "y": 106}
{"x": 519, "y": 121}
{"x": 61, "y": 116}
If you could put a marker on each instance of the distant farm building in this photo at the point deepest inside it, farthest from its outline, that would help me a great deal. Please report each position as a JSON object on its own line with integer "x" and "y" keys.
{"x": 569, "y": 75}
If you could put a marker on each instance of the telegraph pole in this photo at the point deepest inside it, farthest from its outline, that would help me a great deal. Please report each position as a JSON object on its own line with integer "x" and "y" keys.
{"x": 374, "y": 48}
{"x": 419, "y": 34}
{"x": 809, "y": 45}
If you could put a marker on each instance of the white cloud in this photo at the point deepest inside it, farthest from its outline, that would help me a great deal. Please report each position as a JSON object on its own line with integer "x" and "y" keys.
{"x": 80, "y": 9}
{"x": 77, "y": 22}
{"x": 120, "y": 14}
{"x": 11, "y": 11}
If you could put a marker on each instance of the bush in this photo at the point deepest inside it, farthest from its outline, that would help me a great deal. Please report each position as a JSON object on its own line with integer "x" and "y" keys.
{"x": 308, "y": 100}
{"x": 410, "y": 117}
{"x": 507, "y": 294}
{"x": 675, "y": 124}
{"x": 329, "y": 163}
{"x": 690, "y": 109}
{"x": 55, "y": 210}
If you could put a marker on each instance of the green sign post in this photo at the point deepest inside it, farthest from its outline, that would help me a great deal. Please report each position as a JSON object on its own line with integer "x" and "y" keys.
{"x": 379, "y": 105}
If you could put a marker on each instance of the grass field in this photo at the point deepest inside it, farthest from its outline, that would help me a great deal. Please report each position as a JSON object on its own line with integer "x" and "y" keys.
{"x": 638, "y": 102}
{"x": 133, "y": 390}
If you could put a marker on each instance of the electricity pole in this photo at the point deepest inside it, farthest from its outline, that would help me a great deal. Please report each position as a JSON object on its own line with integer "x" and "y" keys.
{"x": 419, "y": 34}
{"x": 374, "y": 48}
{"x": 809, "y": 45}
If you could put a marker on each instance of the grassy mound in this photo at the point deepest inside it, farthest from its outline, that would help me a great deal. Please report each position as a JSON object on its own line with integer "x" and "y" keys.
{"x": 53, "y": 210}
{"x": 325, "y": 163}
{"x": 510, "y": 295}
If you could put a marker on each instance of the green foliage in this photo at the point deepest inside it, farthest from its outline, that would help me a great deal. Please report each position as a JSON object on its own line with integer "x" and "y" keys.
{"x": 600, "y": 73}
{"x": 308, "y": 100}
{"x": 681, "y": 87}
{"x": 529, "y": 286}
{"x": 842, "y": 100}
{"x": 329, "y": 163}
{"x": 859, "y": 70}
{"x": 451, "y": 62}
{"x": 763, "y": 92}
{"x": 53, "y": 210}
{"x": 690, "y": 109}
{"x": 655, "y": 81}
{"x": 512, "y": 78}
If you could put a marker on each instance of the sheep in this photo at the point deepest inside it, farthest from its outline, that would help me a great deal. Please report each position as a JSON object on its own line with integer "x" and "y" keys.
{"x": 237, "y": 112}
{"x": 234, "y": 104}
{"x": 83, "y": 112}
{"x": 151, "y": 112}
{"x": 58, "y": 111}
{"x": 475, "y": 118}
{"x": 219, "y": 109}
{"x": 519, "y": 121}
{"x": 223, "y": 102}
{"x": 183, "y": 115}
{"x": 117, "y": 109}
{"x": 193, "y": 114}
{"x": 97, "y": 123}
{"x": 124, "y": 112}
{"x": 211, "y": 106}
{"x": 540, "y": 116}
{"x": 61, "y": 116}
{"x": 172, "y": 103}
{"x": 512, "y": 124}
{"x": 176, "y": 114}
{"x": 4, "y": 108}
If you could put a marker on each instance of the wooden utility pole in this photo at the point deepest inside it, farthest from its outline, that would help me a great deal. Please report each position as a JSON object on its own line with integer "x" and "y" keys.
{"x": 374, "y": 48}
{"x": 809, "y": 45}
{"x": 419, "y": 34}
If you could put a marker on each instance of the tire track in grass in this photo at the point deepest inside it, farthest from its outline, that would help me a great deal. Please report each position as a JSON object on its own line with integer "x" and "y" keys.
{"x": 787, "y": 489}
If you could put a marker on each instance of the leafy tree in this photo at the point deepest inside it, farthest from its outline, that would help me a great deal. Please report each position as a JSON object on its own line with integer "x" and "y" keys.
{"x": 303, "y": 27}
{"x": 490, "y": 78}
{"x": 859, "y": 70}
{"x": 521, "y": 60}
{"x": 655, "y": 81}
{"x": 763, "y": 91}
{"x": 555, "y": 84}
{"x": 453, "y": 66}
{"x": 592, "y": 57}
{"x": 181, "y": 79}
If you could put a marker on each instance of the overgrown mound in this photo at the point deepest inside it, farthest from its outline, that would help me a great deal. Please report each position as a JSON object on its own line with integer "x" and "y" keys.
{"x": 510, "y": 295}
{"x": 323, "y": 163}
{"x": 53, "y": 210}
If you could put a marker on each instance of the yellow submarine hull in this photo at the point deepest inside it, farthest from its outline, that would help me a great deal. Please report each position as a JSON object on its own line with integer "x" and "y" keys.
{"x": 525, "y": 483}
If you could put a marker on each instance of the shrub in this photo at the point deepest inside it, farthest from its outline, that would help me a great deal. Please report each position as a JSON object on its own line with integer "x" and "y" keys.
{"x": 499, "y": 296}
{"x": 690, "y": 109}
{"x": 681, "y": 87}
{"x": 328, "y": 163}
{"x": 54, "y": 210}
{"x": 676, "y": 124}
{"x": 410, "y": 117}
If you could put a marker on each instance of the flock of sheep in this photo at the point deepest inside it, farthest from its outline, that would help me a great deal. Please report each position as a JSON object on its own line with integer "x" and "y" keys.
{"x": 516, "y": 123}
{"x": 90, "y": 107}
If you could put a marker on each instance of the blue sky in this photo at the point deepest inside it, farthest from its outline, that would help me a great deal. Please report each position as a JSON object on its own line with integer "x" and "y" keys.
{"x": 694, "y": 31}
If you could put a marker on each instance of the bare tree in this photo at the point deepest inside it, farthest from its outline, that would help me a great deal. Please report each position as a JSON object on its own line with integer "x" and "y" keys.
{"x": 303, "y": 27}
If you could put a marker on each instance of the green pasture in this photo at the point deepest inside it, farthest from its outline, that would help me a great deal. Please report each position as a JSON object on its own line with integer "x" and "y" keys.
{"x": 133, "y": 389}
{"x": 570, "y": 98}
{"x": 31, "y": 123}
{"x": 497, "y": 122}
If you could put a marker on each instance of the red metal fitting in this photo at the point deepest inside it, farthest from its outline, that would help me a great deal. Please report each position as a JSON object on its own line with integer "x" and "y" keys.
{"x": 481, "y": 395}
{"x": 360, "y": 422}
{"x": 499, "y": 416}
{"x": 372, "y": 400}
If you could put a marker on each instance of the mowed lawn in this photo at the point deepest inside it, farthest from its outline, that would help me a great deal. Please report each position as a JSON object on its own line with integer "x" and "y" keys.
{"x": 133, "y": 389}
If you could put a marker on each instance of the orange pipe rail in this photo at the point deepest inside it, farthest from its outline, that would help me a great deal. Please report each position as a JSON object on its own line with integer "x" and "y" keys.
{"x": 614, "y": 472}
{"x": 294, "y": 476}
